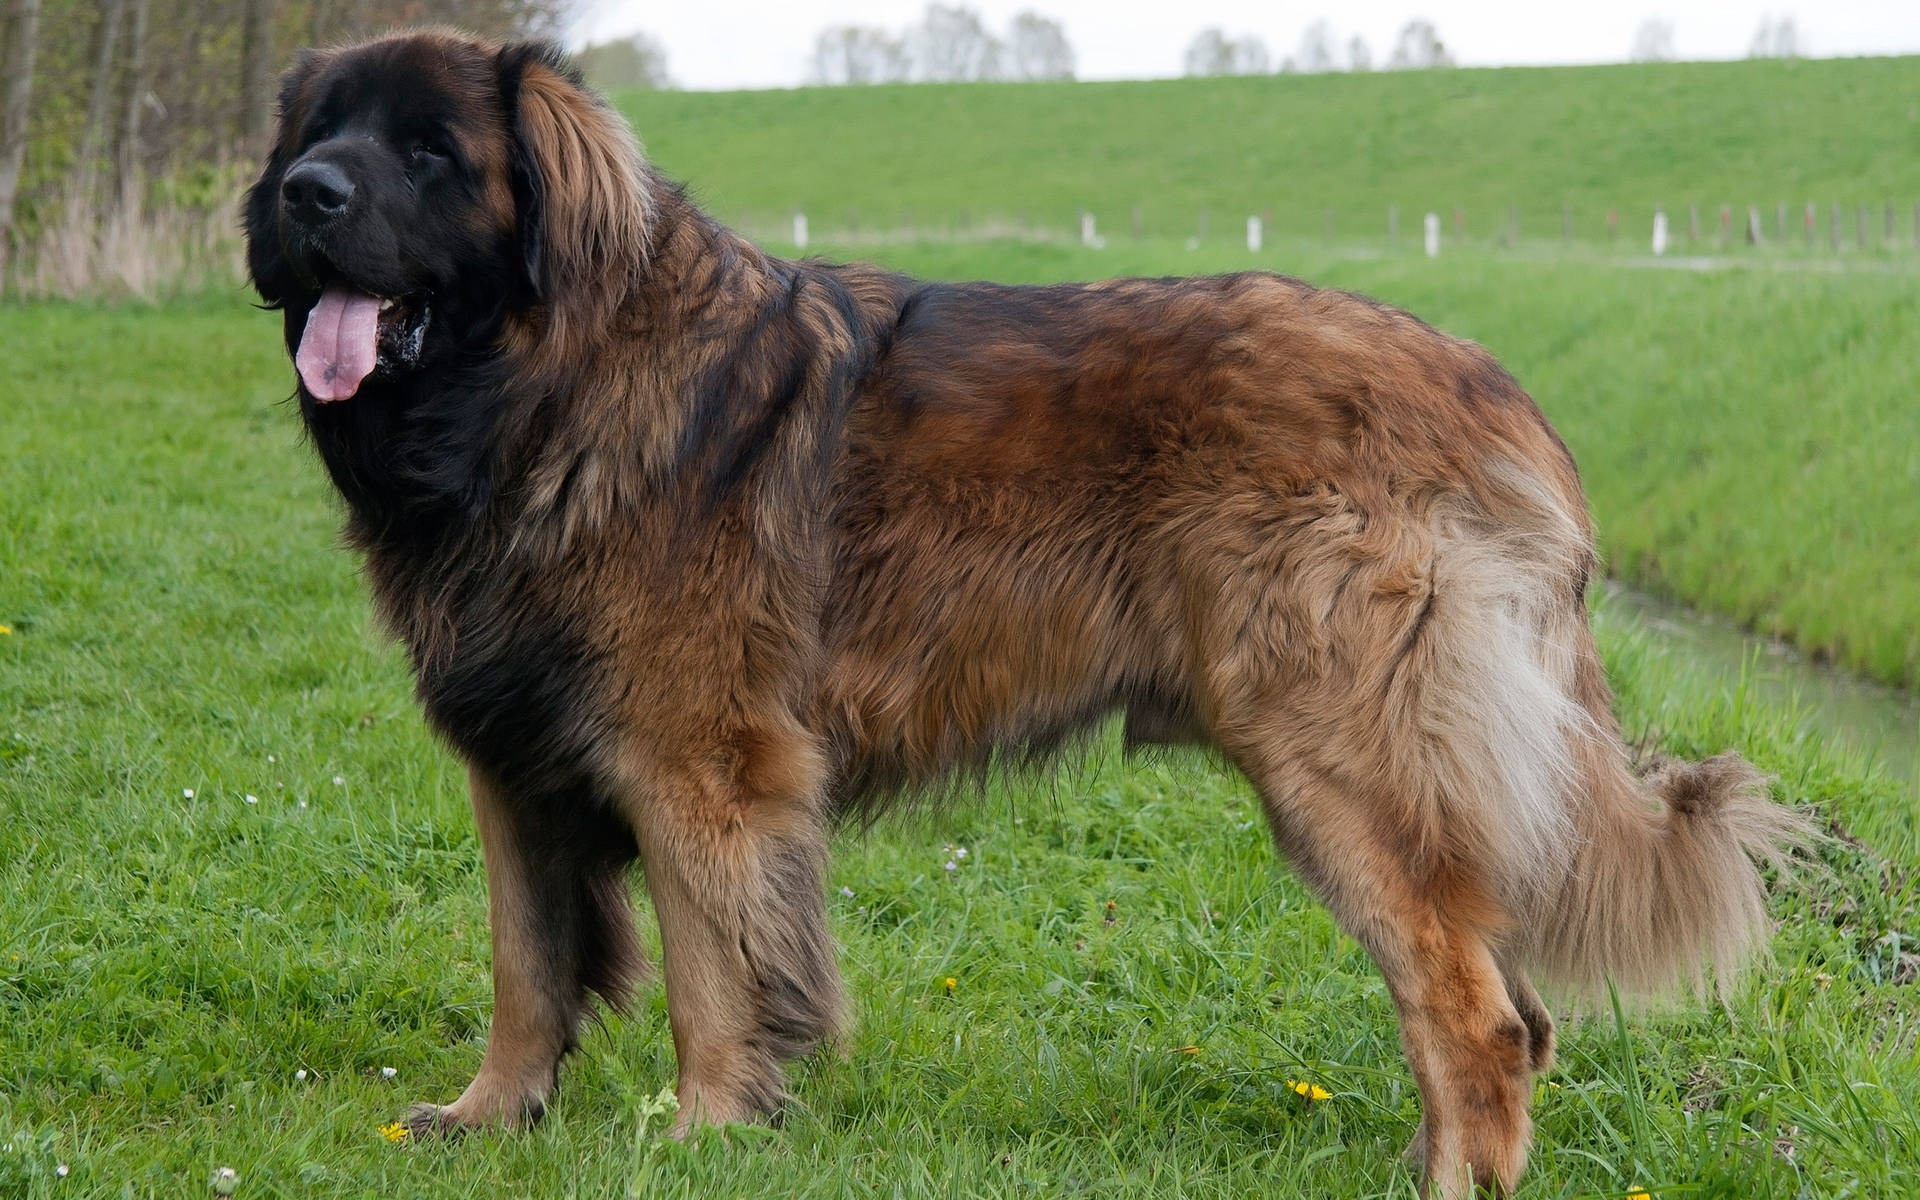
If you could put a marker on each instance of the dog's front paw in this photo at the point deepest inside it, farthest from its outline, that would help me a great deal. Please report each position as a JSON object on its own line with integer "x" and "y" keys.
{"x": 445, "y": 1121}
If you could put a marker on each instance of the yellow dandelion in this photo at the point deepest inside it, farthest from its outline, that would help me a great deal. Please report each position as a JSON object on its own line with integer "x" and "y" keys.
{"x": 1312, "y": 1091}
{"x": 1189, "y": 1049}
{"x": 5, "y": 630}
{"x": 395, "y": 1132}
{"x": 1639, "y": 1194}
{"x": 950, "y": 983}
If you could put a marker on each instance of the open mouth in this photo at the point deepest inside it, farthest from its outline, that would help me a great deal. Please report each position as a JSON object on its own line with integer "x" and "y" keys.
{"x": 351, "y": 334}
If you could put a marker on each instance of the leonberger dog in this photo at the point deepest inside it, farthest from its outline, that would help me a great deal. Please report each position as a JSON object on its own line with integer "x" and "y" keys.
{"x": 697, "y": 551}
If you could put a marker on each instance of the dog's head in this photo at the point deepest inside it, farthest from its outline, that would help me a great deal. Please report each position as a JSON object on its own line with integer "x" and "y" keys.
{"x": 424, "y": 187}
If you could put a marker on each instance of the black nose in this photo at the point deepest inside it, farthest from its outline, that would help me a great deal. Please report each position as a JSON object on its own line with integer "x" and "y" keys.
{"x": 316, "y": 191}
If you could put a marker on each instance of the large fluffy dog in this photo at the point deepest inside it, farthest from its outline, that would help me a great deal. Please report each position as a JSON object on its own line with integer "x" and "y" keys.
{"x": 696, "y": 549}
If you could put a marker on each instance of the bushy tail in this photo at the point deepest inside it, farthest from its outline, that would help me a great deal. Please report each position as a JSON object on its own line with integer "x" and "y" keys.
{"x": 1665, "y": 880}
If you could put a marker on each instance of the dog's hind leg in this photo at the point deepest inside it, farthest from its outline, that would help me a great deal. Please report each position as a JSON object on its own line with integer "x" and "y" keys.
{"x": 1427, "y": 923}
{"x": 562, "y": 926}
{"x": 735, "y": 863}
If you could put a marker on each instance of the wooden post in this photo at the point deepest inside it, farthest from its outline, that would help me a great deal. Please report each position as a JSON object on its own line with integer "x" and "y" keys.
{"x": 1659, "y": 231}
{"x": 1838, "y": 237}
{"x": 1813, "y": 219}
{"x": 1753, "y": 225}
{"x": 1860, "y": 226}
{"x": 800, "y": 230}
{"x": 1433, "y": 235}
{"x": 1253, "y": 234}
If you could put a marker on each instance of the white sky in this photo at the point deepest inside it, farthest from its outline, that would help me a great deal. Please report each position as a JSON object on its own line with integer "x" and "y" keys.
{"x": 764, "y": 43}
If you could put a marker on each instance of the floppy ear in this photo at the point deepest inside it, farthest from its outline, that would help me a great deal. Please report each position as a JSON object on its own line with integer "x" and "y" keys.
{"x": 577, "y": 182}
{"x": 260, "y": 211}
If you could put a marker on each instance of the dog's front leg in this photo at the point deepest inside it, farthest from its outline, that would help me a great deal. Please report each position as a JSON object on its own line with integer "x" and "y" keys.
{"x": 736, "y": 869}
{"x": 562, "y": 926}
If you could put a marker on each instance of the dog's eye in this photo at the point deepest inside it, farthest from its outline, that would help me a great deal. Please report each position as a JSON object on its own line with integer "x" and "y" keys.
{"x": 427, "y": 149}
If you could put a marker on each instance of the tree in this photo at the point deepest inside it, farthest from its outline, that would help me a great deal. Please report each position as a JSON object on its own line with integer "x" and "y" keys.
{"x": 1775, "y": 39}
{"x": 951, "y": 44}
{"x": 256, "y": 76}
{"x": 22, "y": 43}
{"x": 1653, "y": 41}
{"x": 1315, "y": 53}
{"x": 1038, "y": 48}
{"x": 857, "y": 54}
{"x": 1359, "y": 57}
{"x": 128, "y": 157}
{"x": 1212, "y": 52}
{"x": 106, "y": 38}
{"x": 635, "y": 61}
{"x": 1417, "y": 47}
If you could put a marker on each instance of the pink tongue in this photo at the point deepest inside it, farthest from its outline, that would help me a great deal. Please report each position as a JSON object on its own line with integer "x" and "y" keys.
{"x": 338, "y": 346}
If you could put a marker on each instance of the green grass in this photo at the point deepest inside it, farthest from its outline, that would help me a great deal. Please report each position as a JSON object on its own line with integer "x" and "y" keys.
{"x": 1593, "y": 138}
{"x": 182, "y": 620}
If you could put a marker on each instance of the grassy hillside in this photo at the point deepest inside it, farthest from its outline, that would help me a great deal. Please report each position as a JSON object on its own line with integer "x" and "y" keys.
{"x": 230, "y": 854}
{"x": 1757, "y": 132}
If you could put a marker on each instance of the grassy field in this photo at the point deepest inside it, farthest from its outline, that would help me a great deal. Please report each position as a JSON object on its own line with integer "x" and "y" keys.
{"x": 1484, "y": 141}
{"x": 230, "y": 853}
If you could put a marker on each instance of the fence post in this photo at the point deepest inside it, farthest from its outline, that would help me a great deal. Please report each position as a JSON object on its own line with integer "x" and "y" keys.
{"x": 1253, "y": 234}
{"x": 1089, "y": 236}
{"x": 1813, "y": 219}
{"x": 1659, "y": 231}
{"x": 1433, "y": 235}
{"x": 1838, "y": 237}
{"x": 1753, "y": 225}
{"x": 800, "y": 230}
